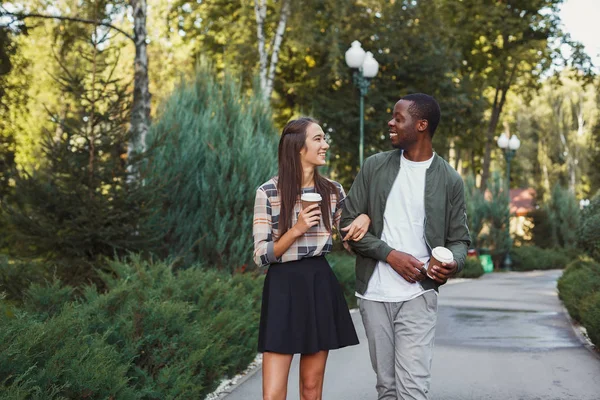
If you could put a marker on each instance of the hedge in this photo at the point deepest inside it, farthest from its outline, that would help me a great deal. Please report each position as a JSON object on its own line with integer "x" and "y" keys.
{"x": 155, "y": 334}
{"x": 528, "y": 258}
{"x": 472, "y": 269}
{"x": 579, "y": 289}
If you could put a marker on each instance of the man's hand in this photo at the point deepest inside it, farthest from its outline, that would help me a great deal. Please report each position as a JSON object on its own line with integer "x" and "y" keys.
{"x": 441, "y": 273}
{"x": 407, "y": 266}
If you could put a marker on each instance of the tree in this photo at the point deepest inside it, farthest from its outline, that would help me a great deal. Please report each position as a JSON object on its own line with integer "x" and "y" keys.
{"x": 140, "y": 116}
{"x": 508, "y": 43}
{"x": 217, "y": 145}
{"x": 499, "y": 219}
{"x": 78, "y": 207}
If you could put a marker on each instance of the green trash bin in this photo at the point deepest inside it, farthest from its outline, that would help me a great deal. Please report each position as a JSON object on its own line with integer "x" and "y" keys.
{"x": 486, "y": 260}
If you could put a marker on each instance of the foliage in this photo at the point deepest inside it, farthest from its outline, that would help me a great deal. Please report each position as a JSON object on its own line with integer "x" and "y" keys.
{"x": 472, "y": 269}
{"x": 528, "y": 258}
{"x": 157, "y": 333}
{"x": 563, "y": 212}
{"x": 16, "y": 276}
{"x": 81, "y": 203}
{"x": 342, "y": 264}
{"x": 591, "y": 317}
{"x": 220, "y": 146}
{"x": 498, "y": 238}
{"x": 580, "y": 280}
{"x": 477, "y": 211}
{"x": 589, "y": 230}
{"x": 543, "y": 226}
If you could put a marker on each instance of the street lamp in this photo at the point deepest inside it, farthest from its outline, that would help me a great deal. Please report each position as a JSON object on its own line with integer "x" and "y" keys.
{"x": 366, "y": 68}
{"x": 509, "y": 147}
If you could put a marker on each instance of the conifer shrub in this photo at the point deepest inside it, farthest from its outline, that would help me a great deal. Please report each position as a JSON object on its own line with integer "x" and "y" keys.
{"x": 17, "y": 275}
{"x": 477, "y": 211}
{"x": 156, "y": 333}
{"x": 498, "y": 237}
{"x": 580, "y": 280}
{"x": 563, "y": 212}
{"x": 219, "y": 145}
{"x": 529, "y": 258}
{"x": 591, "y": 317}
{"x": 342, "y": 264}
{"x": 589, "y": 230}
{"x": 472, "y": 269}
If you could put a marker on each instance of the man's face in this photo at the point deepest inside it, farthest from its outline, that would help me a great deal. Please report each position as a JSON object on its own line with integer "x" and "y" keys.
{"x": 402, "y": 127}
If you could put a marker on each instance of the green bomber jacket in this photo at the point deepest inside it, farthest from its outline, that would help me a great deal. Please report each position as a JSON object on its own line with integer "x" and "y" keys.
{"x": 445, "y": 212}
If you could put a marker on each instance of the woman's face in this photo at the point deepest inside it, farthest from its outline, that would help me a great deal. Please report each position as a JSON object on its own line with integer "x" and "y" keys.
{"x": 315, "y": 147}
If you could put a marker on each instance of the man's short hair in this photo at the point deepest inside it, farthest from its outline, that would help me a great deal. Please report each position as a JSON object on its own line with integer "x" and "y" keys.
{"x": 424, "y": 106}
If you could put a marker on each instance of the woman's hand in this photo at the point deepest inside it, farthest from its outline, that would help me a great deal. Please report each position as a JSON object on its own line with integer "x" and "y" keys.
{"x": 358, "y": 228}
{"x": 307, "y": 218}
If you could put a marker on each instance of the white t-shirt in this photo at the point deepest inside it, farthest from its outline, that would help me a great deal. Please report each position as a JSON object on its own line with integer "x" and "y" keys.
{"x": 403, "y": 230}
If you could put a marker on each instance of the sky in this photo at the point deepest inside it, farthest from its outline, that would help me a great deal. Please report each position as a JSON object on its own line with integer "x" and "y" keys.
{"x": 581, "y": 18}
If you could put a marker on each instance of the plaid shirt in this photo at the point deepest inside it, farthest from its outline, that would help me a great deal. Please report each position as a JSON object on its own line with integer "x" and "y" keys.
{"x": 265, "y": 227}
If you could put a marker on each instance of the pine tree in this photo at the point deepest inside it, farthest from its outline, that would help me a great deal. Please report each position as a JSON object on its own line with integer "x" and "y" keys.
{"x": 80, "y": 205}
{"x": 477, "y": 211}
{"x": 499, "y": 218}
{"x": 217, "y": 146}
{"x": 563, "y": 212}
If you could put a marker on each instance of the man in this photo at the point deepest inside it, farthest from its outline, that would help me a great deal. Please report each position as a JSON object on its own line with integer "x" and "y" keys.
{"x": 415, "y": 201}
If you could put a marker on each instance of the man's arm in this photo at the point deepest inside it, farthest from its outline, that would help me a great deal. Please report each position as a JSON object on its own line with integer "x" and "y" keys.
{"x": 458, "y": 239}
{"x": 356, "y": 203}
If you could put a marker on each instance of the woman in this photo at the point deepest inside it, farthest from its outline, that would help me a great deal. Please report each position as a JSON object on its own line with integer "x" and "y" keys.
{"x": 303, "y": 308}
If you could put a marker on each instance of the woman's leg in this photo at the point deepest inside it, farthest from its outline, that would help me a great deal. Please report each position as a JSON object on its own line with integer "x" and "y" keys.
{"x": 275, "y": 371}
{"x": 312, "y": 371}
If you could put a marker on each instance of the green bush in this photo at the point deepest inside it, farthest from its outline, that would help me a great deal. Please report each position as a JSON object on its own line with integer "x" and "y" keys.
{"x": 498, "y": 238}
{"x": 472, "y": 269}
{"x": 16, "y": 276}
{"x": 591, "y": 317}
{"x": 218, "y": 144}
{"x": 477, "y": 211}
{"x": 342, "y": 264}
{"x": 528, "y": 258}
{"x": 563, "y": 212}
{"x": 580, "y": 280}
{"x": 156, "y": 333}
{"x": 589, "y": 229}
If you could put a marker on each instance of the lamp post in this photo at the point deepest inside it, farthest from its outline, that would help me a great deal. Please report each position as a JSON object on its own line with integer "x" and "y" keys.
{"x": 509, "y": 148}
{"x": 366, "y": 68}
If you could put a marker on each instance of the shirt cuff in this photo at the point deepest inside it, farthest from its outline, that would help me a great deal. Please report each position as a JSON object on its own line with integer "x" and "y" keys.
{"x": 271, "y": 252}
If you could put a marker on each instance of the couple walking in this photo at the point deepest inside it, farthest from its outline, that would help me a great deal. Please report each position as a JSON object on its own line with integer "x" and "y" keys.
{"x": 402, "y": 204}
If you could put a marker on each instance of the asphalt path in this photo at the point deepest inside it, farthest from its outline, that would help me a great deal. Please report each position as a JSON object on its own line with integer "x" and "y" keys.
{"x": 503, "y": 336}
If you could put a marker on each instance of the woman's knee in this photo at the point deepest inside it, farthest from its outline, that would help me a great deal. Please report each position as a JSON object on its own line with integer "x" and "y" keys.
{"x": 311, "y": 388}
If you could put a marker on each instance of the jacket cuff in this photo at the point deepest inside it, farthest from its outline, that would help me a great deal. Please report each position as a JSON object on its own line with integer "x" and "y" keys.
{"x": 271, "y": 252}
{"x": 383, "y": 251}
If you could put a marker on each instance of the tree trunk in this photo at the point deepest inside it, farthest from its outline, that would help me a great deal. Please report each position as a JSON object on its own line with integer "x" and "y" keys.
{"x": 285, "y": 12}
{"x": 501, "y": 91}
{"x": 267, "y": 70}
{"x": 140, "y": 113}
{"x": 260, "y": 11}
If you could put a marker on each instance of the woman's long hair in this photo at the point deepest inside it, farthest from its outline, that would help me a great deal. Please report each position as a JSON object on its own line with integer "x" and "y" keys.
{"x": 289, "y": 183}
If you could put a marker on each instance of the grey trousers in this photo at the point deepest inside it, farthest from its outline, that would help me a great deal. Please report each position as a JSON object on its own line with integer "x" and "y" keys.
{"x": 401, "y": 339}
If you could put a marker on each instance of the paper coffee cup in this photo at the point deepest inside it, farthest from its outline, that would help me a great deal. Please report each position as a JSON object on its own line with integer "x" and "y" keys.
{"x": 439, "y": 255}
{"x": 309, "y": 199}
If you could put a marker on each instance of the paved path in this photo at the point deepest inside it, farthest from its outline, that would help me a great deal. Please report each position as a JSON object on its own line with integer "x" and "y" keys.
{"x": 501, "y": 337}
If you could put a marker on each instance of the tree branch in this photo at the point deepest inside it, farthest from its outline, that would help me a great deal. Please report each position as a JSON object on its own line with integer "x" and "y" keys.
{"x": 72, "y": 19}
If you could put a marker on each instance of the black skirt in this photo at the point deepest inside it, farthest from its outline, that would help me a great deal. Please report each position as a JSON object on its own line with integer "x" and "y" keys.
{"x": 303, "y": 309}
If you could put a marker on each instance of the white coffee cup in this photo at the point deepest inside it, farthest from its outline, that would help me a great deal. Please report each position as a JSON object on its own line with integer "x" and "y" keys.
{"x": 439, "y": 255}
{"x": 309, "y": 199}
